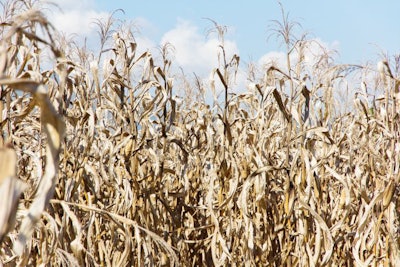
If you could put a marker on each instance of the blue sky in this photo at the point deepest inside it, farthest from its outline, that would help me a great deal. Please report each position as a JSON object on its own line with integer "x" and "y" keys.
{"x": 358, "y": 30}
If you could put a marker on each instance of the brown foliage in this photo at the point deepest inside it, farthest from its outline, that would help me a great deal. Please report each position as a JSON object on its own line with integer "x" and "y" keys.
{"x": 272, "y": 176}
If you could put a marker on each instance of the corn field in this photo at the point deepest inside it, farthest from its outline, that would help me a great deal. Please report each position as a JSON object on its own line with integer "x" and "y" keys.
{"x": 112, "y": 159}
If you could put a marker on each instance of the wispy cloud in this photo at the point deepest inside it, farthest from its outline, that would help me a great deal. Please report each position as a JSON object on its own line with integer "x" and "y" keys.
{"x": 193, "y": 50}
{"x": 313, "y": 50}
{"x": 75, "y": 17}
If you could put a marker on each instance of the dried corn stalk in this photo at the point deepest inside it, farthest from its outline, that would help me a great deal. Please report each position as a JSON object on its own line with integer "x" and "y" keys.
{"x": 10, "y": 190}
{"x": 53, "y": 127}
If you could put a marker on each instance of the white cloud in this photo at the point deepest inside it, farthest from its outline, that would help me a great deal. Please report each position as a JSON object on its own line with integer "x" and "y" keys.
{"x": 75, "y": 16}
{"x": 144, "y": 44}
{"x": 73, "y": 4}
{"x": 312, "y": 53}
{"x": 193, "y": 51}
{"x": 274, "y": 57}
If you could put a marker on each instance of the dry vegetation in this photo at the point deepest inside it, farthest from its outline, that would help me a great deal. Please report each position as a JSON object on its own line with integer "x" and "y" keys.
{"x": 273, "y": 176}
